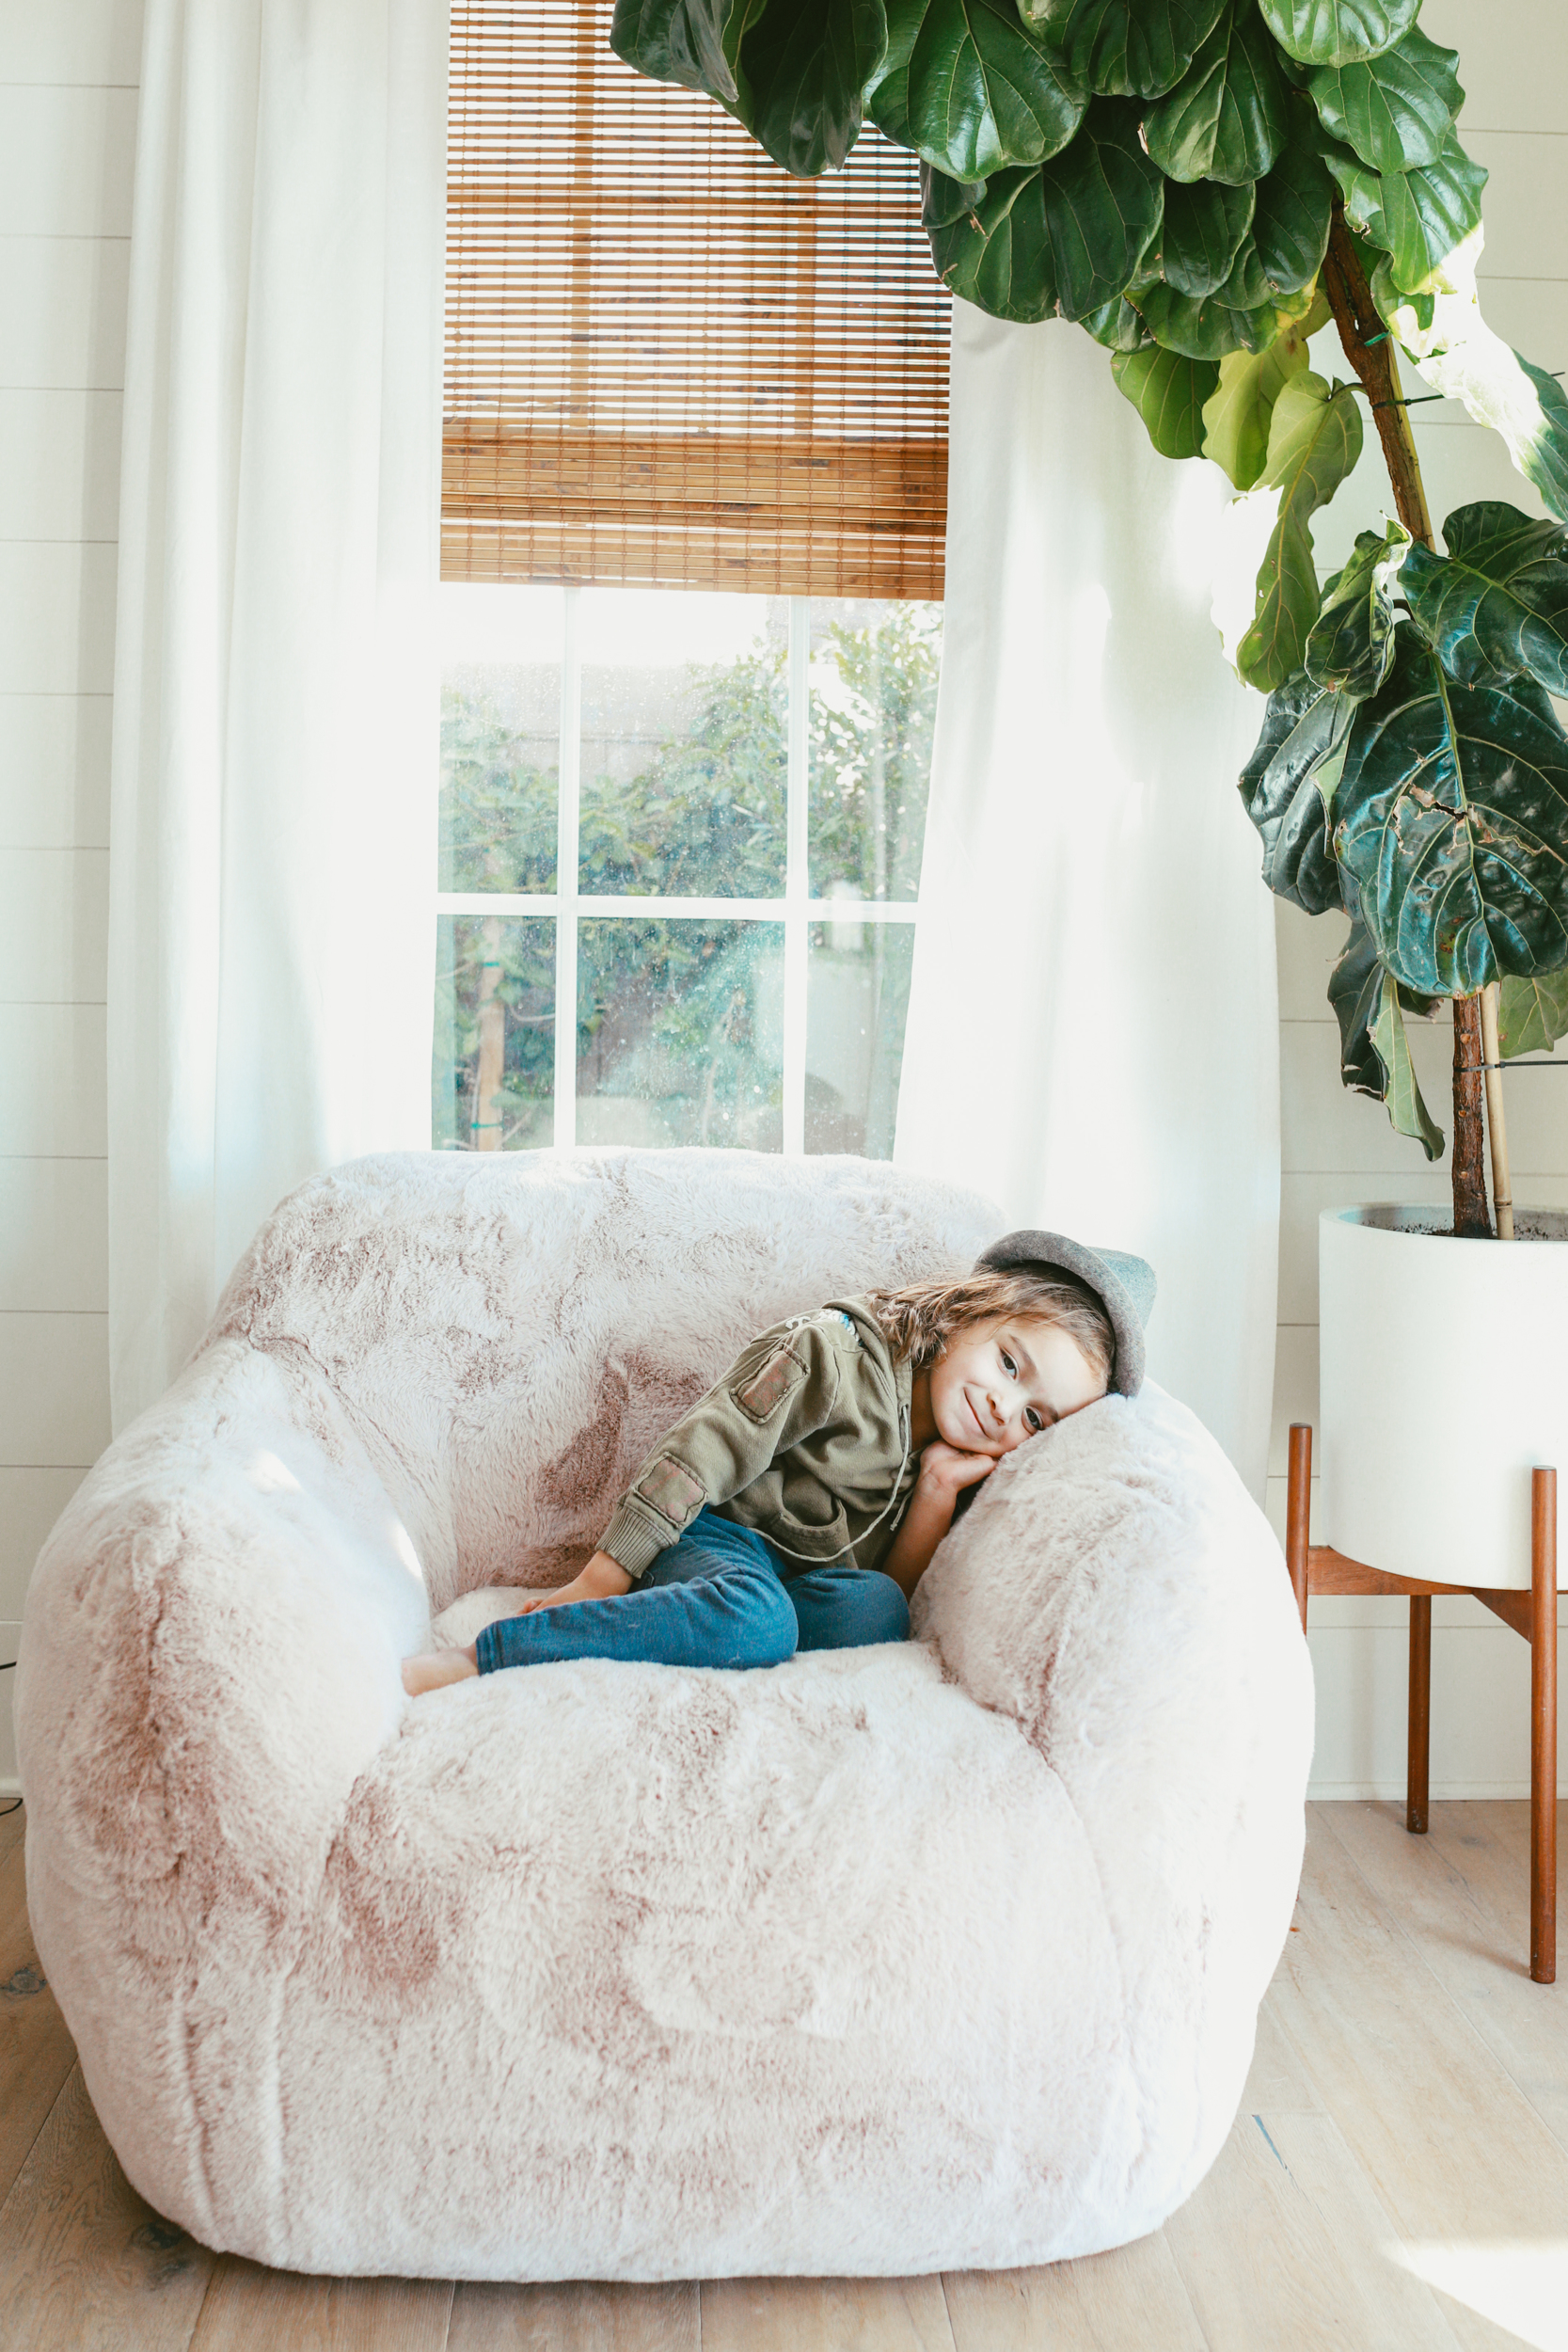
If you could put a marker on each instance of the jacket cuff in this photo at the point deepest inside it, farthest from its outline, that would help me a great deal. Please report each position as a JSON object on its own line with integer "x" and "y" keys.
{"x": 635, "y": 1537}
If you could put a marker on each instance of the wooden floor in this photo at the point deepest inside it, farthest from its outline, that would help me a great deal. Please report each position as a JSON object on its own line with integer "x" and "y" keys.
{"x": 1398, "y": 2175}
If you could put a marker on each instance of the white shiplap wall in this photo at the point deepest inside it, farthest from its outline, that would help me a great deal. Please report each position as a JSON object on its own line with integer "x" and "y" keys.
{"x": 68, "y": 114}
{"x": 1338, "y": 1147}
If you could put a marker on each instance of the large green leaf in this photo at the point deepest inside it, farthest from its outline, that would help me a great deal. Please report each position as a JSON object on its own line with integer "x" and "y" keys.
{"x": 1202, "y": 231}
{"x": 1427, "y": 213}
{"x": 1288, "y": 789}
{"x": 1355, "y": 993}
{"x": 942, "y": 201}
{"x": 1501, "y": 388}
{"x": 1422, "y": 219}
{"x": 807, "y": 65}
{"x": 1228, "y": 117}
{"x": 1168, "y": 392}
{"x": 1338, "y": 32}
{"x": 1130, "y": 48}
{"x": 1540, "y": 449}
{"x": 1374, "y": 1053}
{"x": 1407, "y": 1112}
{"x": 1293, "y": 212}
{"x": 1532, "y": 1014}
{"x": 969, "y": 89}
{"x": 676, "y": 41}
{"x": 1451, "y": 814}
{"x": 1351, "y": 647}
{"x": 1314, "y": 440}
{"x": 1496, "y": 604}
{"x": 1360, "y": 186}
{"x": 1396, "y": 109}
{"x": 1206, "y": 328}
{"x": 1119, "y": 326}
{"x": 1247, "y": 288}
{"x": 1061, "y": 240}
{"x": 1237, "y": 414}
{"x": 1459, "y": 356}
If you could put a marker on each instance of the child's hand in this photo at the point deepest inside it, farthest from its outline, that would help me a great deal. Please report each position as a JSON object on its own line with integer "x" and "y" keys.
{"x": 945, "y": 1469}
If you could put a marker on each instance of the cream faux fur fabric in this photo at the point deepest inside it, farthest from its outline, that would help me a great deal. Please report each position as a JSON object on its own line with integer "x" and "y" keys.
{"x": 889, "y": 1960}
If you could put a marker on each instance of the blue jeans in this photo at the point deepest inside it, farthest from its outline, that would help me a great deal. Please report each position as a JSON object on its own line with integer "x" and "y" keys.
{"x": 721, "y": 1596}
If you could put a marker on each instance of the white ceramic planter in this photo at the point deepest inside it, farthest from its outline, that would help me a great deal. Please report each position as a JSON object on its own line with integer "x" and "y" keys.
{"x": 1444, "y": 1383}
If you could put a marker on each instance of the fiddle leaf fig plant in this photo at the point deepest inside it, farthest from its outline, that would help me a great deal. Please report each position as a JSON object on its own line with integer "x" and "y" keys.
{"x": 1203, "y": 185}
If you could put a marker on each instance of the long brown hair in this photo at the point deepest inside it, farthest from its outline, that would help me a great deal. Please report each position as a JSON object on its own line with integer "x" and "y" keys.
{"x": 919, "y": 1321}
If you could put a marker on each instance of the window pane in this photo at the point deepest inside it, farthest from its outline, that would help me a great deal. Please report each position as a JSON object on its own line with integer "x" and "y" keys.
{"x": 493, "y": 1069}
{"x": 680, "y": 1033}
{"x": 873, "y": 702}
{"x": 500, "y": 737}
{"x": 685, "y": 742}
{"x": 857, "y": 993}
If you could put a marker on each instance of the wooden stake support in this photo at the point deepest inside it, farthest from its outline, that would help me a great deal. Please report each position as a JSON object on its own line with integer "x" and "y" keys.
{"x": 1319, "y": 1568}
{"x": 1496, "y": 1126}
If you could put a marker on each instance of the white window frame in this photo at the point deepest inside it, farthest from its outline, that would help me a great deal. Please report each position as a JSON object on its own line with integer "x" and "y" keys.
{"x": 796, "y": 910}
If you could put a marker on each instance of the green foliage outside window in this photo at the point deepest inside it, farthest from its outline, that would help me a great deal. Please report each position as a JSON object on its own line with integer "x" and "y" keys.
{"x": 679, "y": 1007}
{"x": 871, "y": 754}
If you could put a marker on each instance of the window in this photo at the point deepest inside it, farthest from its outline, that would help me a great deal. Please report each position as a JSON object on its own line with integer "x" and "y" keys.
{"x": 694, "y": 821}
{"x": 693, "y": 500}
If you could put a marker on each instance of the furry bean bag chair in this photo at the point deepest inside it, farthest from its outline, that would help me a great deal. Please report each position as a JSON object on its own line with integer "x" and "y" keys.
{"x": 940, "y": 1954}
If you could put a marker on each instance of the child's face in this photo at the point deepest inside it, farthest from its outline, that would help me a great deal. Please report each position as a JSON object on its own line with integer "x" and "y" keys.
{"x": 999, "y": 1382}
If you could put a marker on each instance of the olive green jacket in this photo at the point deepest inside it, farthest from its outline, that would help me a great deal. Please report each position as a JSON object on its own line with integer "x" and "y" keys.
{"x": 805, "y": 1439}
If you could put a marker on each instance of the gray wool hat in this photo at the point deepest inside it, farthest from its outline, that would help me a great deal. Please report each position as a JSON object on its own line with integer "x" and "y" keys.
{"x": 1125, "y": 1285}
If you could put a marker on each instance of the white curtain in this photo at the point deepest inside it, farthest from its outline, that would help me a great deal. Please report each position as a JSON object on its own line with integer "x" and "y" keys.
{"x": 1092, "y": 1033}
{"x": 275, "y": 749}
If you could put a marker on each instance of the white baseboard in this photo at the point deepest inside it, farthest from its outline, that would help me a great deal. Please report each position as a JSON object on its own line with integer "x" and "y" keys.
{"x": 9, "y": 1785}
{"x": 1392, "y": 1791}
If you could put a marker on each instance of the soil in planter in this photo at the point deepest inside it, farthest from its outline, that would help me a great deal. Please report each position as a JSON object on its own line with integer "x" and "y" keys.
{"x": 1526, "y": 1228}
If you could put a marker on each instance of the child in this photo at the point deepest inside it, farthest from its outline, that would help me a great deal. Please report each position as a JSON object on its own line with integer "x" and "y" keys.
{"x": 798, "y": 1504}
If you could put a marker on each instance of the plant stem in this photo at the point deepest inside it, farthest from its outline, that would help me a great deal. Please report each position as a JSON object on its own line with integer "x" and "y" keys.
{"x": 1471, "y": 1221}
{"x": 1355, "y": 314}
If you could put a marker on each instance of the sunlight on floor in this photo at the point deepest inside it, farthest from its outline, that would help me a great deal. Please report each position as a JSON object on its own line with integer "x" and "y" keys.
{"x": 1520, "y": 2285}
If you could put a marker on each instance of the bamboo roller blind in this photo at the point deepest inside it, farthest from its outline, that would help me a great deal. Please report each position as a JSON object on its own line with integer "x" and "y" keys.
{"x": 666, "y": 361}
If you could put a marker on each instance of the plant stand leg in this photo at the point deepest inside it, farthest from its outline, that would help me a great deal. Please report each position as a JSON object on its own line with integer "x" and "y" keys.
{"x": 1418, "y": 1751}
{"x": 1543, "y": 1742}
{"x": 1298, "y": 1512}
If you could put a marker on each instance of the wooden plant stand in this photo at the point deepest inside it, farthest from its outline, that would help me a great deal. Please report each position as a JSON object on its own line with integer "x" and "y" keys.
{"x": 1319, "y": 1568}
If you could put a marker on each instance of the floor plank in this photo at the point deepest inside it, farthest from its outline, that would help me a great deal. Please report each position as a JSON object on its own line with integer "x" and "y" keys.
{"x": 1488, "y": 1841}
{"x": 1285, "y": 2248}
{"x": 12, "y": 1825}
{"x": 1105, "y": 2303}
{"x": 825, "y": 2315}
{"x": 35, "y": 2051}
{"x": 1413, "y": 2089}
{"x": 250, "y": 2309}
{"x": 575, "y": 2317}
{"x": 1461, "y": 1896}
{"x": 1282, "y": 2098}
{"x": 86, "y": 2265}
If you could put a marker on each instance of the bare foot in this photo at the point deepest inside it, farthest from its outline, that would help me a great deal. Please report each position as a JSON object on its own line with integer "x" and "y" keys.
{"x": 437, "y": 1667}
